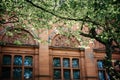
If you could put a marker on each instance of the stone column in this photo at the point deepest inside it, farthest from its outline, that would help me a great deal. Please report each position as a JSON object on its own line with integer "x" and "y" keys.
{"x": 44, "y": 57}
{"x": 90, "y": 64}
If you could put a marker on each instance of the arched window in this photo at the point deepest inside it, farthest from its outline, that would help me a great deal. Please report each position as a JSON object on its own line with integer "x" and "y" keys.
{"x": 17, "y": 55}
{"x": 18, "y": 36}
{"x": 66, "y": 58}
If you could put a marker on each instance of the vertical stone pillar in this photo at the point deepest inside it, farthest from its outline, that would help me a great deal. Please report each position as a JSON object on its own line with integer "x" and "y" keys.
{"x": 44, "y": 58}
{"x": 83, "y": 68}
{"x": 91, "y": 72}
{"x": 36, "y": 62}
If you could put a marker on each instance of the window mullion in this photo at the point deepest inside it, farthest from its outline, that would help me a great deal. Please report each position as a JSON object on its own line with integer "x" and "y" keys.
{"x": 33, "y": 71}
{"x": 12, "y": 63}
{"x": 23, "y": 58}
{"x": 71, "y": 69}
{"x": 105, "y": 74}
{"x": 62, "y": 75}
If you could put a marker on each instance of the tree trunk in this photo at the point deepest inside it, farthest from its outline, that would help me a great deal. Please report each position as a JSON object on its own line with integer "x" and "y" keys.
{"x": 108, "y": 60}
{"x": 113, "y": 74}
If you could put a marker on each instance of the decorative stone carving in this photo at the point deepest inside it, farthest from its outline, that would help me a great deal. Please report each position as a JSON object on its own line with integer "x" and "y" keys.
{"x": 63, "y": 41}
{"x": 18, "y": 37}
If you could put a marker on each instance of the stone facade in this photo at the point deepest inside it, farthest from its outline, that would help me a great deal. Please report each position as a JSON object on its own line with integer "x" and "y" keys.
{"x": 42, "y": 56}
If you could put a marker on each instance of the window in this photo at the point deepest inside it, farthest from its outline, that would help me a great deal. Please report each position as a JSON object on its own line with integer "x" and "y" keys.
{"x": 16, "y": 67}
{"x": 66, "y": 68}
{"x": 102, "y": 74}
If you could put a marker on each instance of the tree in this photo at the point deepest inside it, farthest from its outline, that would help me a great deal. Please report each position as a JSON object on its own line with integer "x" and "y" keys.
{"x": 102, "y": 18}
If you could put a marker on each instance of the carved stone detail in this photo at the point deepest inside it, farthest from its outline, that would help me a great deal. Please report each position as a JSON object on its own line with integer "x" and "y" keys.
{"x": 22, "y": 37}
{"x": 63, "y": 41}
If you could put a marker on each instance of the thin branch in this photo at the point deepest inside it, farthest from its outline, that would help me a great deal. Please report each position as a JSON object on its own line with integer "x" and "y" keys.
{"x": 11, "y": 19}
{"x": 86, "y": 35}
{"x": 74, "y": 19}
{"x": 55, "y": 4}
{"x": 62, "y": 17}
{"x": 10, "y": 22}
{"x": 92, "y": 35}
{"x": 117, "y": 44}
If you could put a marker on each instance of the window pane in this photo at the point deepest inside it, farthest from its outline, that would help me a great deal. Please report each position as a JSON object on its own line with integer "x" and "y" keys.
{"x": 57, "y": 74}
{"x": 56, "y": 62}
{"x": 101, "y": 75}
{"x": 75, "y": 63}
{"x": 17, "y": 73}
{"x": 17, "y": 60}
{"x": 27, "y": 73}
{"x": 28, "y": 61}
{"x": 100, "y": 64}
{"x": 66, "y": 74}
{"x": 5, "y": 72}
{"x": 66, "y": 62}
{"x": 108, "y": 77}
{"x": 6, "y": 59}
{"x": 76, "y": 74}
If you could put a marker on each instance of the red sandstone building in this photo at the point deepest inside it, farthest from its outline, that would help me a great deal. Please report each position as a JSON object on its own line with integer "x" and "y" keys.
{"x": 59, "y": 59}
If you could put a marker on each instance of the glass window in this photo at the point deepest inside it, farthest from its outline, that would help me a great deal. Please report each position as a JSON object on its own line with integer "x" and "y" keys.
{"x": 6, "y": 60}
{"x": 6, "y": 72}
{"x": 56, "y": 62}
{"x": 17, "y": 60}
{"x": 66, "y": 74}
{"x": 68, "y": 70}
{"x": 76, "y": 74}
{"x": 17, "y": 69}
{"x": 66, "y": 62}
{"x": 75, "y": 63}
{"x": 101, "y": 75}
{"x": 17, "y": 73}
{"x": 28, "y": 73}
{"x": 28, "y": 61}
{"x": 57, "y": 74}
{"x": 100, "y": 64}
{"x": 101, "y": 70}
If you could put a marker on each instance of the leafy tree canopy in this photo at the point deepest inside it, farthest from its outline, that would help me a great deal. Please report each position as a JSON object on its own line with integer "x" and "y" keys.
{"x": 101, "y": 17}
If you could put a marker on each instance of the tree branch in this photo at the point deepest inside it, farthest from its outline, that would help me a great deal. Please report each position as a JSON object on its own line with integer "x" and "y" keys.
{"x": 92, "y": 34}
{"x": 11, "y": 19}
{"x": 62, "y": 17}
{"x": 9, "y": 22}
{"x": 117, "y": 44}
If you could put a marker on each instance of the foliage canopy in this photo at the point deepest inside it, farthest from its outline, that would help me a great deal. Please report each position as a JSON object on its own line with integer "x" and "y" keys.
{"x": 102, "y": 17}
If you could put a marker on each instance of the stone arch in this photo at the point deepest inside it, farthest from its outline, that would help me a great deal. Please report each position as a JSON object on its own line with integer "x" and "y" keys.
{"x": 64, "y": 41}
{"x": 18, "y": 36}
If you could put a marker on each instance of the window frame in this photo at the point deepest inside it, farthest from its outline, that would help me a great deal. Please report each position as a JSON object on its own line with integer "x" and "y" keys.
{"x": 12, "y": 66}
{"x": 103, "y": 69}
{"x": 70, "y": 68}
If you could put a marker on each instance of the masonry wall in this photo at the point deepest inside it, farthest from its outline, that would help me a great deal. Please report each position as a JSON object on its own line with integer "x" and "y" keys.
{"x": 43, "y": 55}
